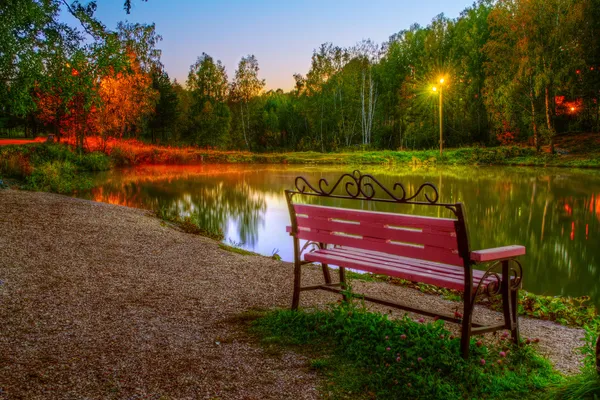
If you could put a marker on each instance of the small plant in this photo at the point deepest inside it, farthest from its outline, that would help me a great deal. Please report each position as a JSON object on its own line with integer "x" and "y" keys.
{"x": 275, "y": 255}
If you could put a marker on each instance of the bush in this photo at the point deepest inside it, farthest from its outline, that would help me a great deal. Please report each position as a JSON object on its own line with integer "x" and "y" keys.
{"x": 14, "y": 165}
{"x": 121, "y": 157}
{"x": 57, "y": 177}
{"x": 95, "y": 161}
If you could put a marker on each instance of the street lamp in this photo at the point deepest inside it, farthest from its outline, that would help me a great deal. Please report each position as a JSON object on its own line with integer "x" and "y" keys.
{"x": 441, "y": 110}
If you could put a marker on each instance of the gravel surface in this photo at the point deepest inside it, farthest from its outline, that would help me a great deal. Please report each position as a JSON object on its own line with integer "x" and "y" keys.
{"x": 102, "y": 301}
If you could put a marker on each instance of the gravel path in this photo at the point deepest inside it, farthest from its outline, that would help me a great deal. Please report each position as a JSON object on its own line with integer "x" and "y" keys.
{"x": 101, "y": 301}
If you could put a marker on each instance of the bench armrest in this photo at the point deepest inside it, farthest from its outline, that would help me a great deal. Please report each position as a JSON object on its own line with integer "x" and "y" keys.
{"x": 497, "y": 253}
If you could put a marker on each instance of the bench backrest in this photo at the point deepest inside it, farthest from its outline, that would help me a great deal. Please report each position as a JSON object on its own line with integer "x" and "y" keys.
{"x": 424, "y": 238}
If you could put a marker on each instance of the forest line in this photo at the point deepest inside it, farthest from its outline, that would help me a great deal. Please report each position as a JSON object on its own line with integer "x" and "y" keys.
{"x": 516, "y": 71}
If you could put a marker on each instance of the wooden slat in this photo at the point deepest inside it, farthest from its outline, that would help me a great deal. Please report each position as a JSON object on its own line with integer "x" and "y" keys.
{"x": 440, "y": 239}
{"x": 497, "y": 253}
{"x": 409, "y": 221}
{"x": 410, "y": 275}
{"x": 385, "y": 259}
{"x": 436, "y": 254}
{"x": 405, "y": 267}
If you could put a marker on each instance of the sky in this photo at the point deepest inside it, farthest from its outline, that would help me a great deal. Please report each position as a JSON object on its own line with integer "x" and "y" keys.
{"x": 281, "y": 34}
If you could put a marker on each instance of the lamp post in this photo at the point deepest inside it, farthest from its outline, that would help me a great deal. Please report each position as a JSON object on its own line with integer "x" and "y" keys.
{"x": 441, "y": 111}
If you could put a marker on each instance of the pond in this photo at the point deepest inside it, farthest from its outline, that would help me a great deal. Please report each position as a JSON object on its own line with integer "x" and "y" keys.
{"x": 555, "y": 213}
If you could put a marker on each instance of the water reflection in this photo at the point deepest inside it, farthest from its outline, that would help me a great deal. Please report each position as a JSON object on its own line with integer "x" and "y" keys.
{"x": 554, "y": 212}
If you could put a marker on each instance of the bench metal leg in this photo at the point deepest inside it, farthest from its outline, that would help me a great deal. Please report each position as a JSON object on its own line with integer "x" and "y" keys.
{"x": 326, "y": 274}
{"x": 514, "y": 301}
{"x": 297, "y": 275}
{"x": 343, "y": 282}
{"x": 465, "y": 338}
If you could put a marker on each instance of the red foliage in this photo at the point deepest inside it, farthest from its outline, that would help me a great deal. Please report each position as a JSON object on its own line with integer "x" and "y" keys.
{"x": 507, "y": 135}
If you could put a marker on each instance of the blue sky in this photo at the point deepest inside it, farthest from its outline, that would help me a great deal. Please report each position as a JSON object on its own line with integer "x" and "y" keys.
{"x": 281, "y": 34}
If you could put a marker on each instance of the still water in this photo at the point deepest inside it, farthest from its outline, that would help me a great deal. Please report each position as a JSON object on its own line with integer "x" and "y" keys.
{"x": 555, "y": 213}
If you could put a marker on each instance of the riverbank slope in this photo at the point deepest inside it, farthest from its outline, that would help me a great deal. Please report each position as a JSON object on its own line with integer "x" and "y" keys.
{"x": 104, "y": 301}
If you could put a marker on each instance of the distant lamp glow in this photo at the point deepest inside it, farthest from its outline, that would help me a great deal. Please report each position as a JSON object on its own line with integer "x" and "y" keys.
{"x": 572, "y": 109}
{"x": 441, "y": 80}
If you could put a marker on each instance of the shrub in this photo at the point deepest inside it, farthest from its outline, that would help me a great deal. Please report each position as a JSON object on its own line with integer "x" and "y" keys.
{"x": 57, "y": 177}
{"x": 14, "y": 165}
{"x": 121, "y": 157}
{"x": 95, "y": 161}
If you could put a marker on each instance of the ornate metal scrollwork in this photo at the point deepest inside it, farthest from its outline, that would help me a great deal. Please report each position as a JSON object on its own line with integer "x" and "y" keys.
{"x": 366, "y": 187}
{"x": 312, "y": 245}
{"x": 493, "y": 276}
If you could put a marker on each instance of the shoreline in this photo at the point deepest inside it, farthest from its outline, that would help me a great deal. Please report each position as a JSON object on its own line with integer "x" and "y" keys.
{"x": 133, "y": 153}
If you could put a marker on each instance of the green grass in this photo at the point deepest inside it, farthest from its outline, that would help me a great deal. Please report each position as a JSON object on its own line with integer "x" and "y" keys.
{"x": 131, "y": 152}
{"x": 365, "y": 355}
{"x": 237, "y": 250}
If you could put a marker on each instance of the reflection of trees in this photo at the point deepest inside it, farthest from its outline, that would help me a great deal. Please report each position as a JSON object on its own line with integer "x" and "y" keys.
{"x": 554, "y": 212}
{"x": 213, "y": 201}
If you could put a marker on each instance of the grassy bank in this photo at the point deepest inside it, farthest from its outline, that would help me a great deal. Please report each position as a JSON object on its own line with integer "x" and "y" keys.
{"x": 129, "y": 153}
{"x": 365, "y": 355}
{"x": 576, "y": 151}
{"x": 49, "y": 167}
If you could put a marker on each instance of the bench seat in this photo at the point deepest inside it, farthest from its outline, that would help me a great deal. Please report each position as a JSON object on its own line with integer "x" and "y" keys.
{"x": 411, "y": 269}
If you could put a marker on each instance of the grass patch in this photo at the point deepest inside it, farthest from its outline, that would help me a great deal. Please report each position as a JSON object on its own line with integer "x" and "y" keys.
{"x": 364, "y": 355}
{"x": 237, "y": 250}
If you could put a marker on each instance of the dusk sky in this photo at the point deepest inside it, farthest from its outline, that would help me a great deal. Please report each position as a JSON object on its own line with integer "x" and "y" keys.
{"x": 281, "y": 34}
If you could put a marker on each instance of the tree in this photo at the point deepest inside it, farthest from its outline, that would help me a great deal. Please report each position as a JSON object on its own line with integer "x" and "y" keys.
{"x": 246, "y": 85}
{"x": 210, "y": 116}
{"x": 163, "y": 121}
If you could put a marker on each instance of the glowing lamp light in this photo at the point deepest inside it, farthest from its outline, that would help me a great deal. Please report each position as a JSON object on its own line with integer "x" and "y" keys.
{"x": 434, "y": 89}
{"x": 441, "y": 80}
{"x": 572, "y": 109}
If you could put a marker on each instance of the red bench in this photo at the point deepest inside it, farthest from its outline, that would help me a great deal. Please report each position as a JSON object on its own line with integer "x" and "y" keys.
{"x": 412, "y": 247}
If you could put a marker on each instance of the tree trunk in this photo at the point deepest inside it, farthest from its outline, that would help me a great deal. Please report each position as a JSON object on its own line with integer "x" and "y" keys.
{"x": 536, "y": 138}
{"x": 364, "y": 119}
{"x": 244, "y": 126}
{"x": 549, "y": 120}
